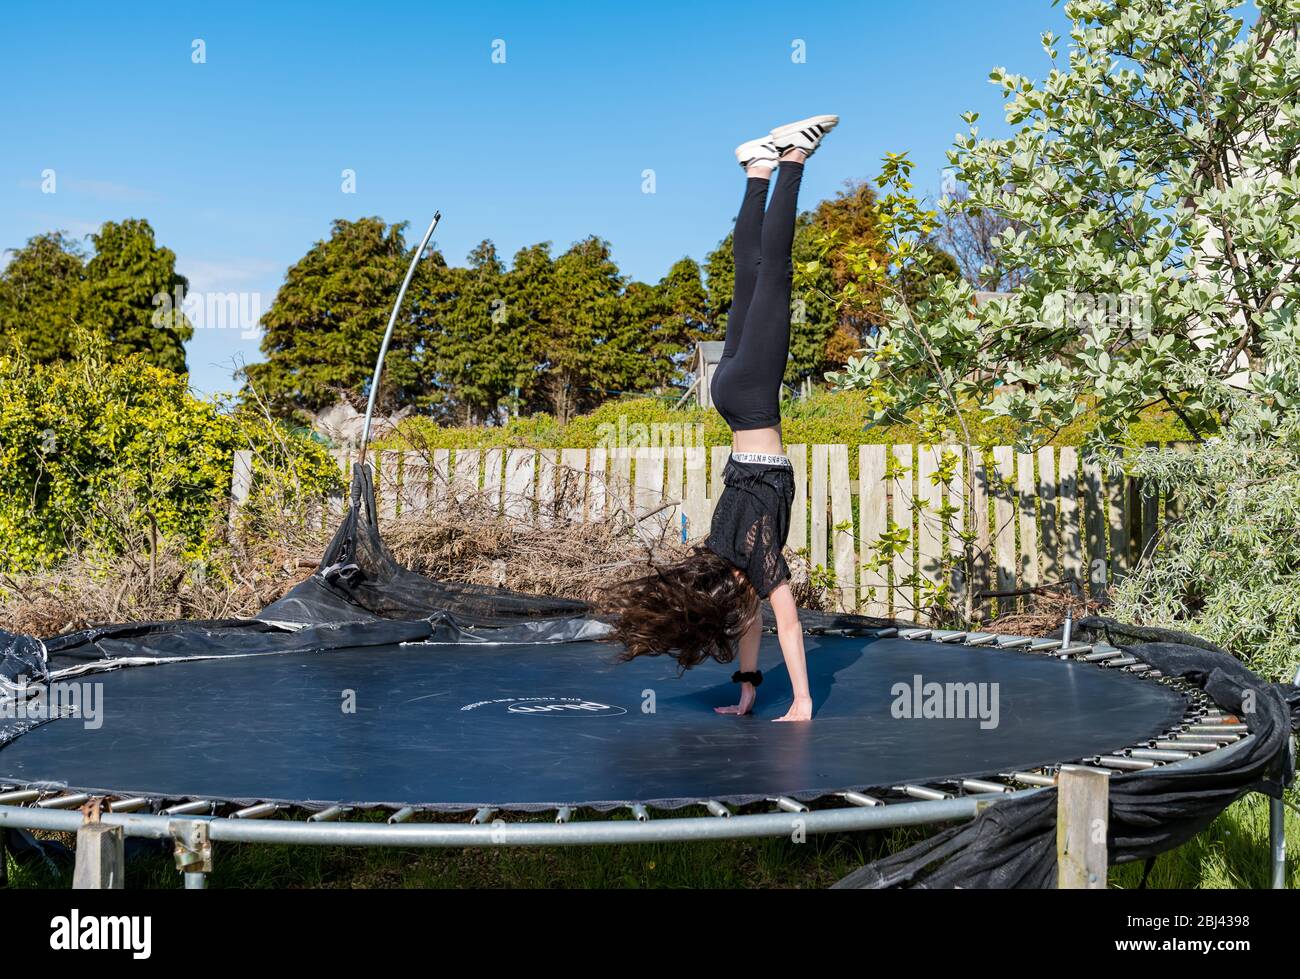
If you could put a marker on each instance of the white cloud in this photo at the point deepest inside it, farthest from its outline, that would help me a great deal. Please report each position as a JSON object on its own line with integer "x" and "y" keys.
{"x": 208, "y": 275}
{"x": 104, "y": 190}
{"x": 75, "y": 227}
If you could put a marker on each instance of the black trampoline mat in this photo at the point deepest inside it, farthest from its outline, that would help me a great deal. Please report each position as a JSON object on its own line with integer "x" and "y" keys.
{"x": 462, "y": 726}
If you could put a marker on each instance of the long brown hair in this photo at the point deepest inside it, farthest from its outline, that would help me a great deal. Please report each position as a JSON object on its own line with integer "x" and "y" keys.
{"x": 693, "y": 610}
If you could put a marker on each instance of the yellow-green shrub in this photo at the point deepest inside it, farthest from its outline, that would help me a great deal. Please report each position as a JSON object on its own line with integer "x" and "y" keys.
{"x": 826, "y": 417}
{"x": 93, "y": 453}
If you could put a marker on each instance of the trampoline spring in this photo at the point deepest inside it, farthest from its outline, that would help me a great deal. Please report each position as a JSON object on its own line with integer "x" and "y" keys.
{"x": 402, "y": 815}
{"x": 1045, "y": 645}
{"x": 259, "y": 811}
{"x": 1101, "y": 656}
{"x": 1158, "y": 754}
{"x": 329, "y": 815}
{"x": 1014, "y": 642}
{"x": 1123, "y": 662}
{"x": 1076, "y": 651}
{"x": 1222, "y": 720}
{"x": 19, "y": 796}
{"x": 639, "y": 812}
{"x": 484, "y": 815}
{"x": 1196, "y": 747}
{"x": 860, "y": 799}
{"x": 130, "y": 805}
{"x": 951, "y": 637}
{"x": 923, "y": 792}
{"x": 564, "y": 814}
{"x": 190, "y": 808}
{"x": 790, "y": 805}
{"x": 1112, "y": 772}
{"x": 716, "y": 808}
{"x": 884, "y": 633}
{"x": 1124, "y": 764}
{"x": 1219, "y": 730}
{"x": 980, "y": 639}
{"x": 1222, "y": 740}
{"x": 916, "y": 633}
{"x": 64, "y": 801}
{"x": 1031, "y": 778}
{"x": 979, "y": 786}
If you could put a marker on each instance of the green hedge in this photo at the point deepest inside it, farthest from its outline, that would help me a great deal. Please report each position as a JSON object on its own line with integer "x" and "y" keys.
{"x": 831, "y": 417}
{"x": 95, "y": 455}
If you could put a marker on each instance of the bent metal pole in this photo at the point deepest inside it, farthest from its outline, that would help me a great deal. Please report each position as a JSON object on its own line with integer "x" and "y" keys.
{"x": 388, "y": 334}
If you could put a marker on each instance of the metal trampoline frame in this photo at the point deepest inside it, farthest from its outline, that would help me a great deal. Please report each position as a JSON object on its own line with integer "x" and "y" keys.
{"x": 194, "y": 825}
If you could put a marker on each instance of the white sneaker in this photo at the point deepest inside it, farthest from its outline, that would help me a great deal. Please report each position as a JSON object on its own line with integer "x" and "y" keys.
{"x": 806, "y": 134}
{"x": 757, "y": 151}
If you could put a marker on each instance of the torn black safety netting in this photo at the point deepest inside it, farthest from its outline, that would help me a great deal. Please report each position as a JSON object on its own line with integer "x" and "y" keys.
{"x": 1013, "y": 843}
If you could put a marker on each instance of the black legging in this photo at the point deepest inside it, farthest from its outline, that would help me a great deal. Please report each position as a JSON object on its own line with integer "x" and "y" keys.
{"x": 746, "y": 386}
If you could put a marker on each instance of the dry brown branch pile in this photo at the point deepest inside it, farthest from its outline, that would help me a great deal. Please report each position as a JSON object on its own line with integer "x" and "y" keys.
{"x": 461, "y": 537}
{"x": 1044, "y": 615}
{"x": 549, "y": 553}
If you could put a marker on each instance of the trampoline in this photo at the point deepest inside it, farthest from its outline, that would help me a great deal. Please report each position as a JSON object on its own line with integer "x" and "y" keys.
{"x": 371, "y": 687}
{"x": 519, "y": 727}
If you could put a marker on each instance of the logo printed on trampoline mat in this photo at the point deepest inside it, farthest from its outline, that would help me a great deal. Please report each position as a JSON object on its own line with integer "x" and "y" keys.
{"x": 549, "y": 706}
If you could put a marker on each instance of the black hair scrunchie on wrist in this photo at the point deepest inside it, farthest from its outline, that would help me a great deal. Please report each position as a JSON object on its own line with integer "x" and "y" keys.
{"x": 754, "y": 678}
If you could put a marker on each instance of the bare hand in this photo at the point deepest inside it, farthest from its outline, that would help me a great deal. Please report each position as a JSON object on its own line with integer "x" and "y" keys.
{"x": 747, "y": 697}
{"x": 800, "y": 710}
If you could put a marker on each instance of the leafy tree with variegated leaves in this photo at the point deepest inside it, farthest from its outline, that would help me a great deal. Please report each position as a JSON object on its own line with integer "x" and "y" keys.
{"x": 1152, "y": 207}
{"x": 1151, "y": 192}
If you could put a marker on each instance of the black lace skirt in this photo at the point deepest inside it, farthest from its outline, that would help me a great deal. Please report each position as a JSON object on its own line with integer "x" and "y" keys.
{"x": 752, "y": 520}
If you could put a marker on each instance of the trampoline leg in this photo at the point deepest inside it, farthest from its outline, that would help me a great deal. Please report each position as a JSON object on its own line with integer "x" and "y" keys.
{"x": 4, "y": 858}
{"x": 1277, "y": 842}
{"x": 193, "y": 851}
{"x": 1082, "y": 803}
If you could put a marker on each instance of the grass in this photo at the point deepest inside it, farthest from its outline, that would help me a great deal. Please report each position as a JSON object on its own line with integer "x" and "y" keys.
{"x": 1231, "y": 853}
{"x": 765, "y": 863}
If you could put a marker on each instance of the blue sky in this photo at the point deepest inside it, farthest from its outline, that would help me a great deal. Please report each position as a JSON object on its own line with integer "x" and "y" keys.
{"x": 237, "y": 162}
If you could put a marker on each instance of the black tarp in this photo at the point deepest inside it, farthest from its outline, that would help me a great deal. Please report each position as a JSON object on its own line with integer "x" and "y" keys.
{"x": 21, "y": 658}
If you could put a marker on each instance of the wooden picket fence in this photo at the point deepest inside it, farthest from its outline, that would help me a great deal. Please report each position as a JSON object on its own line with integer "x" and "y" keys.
{"x": 963, "y": 524}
